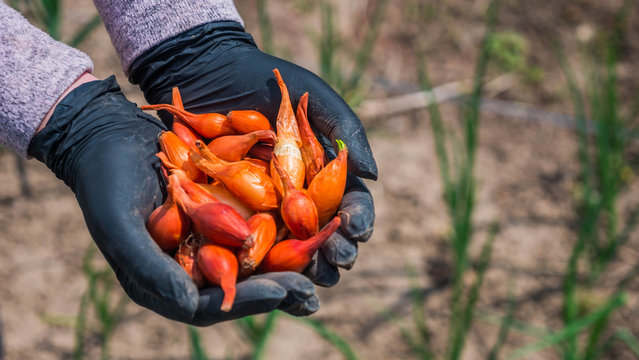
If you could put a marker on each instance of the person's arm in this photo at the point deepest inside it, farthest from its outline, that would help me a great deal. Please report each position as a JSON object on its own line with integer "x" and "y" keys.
{"x": 103, "y": 147}
{"x": 35, "y": 73}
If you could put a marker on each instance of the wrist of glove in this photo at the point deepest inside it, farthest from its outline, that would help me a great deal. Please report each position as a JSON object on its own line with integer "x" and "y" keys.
{"x": 218, "y": 68}
{"x": 103, "y": 147}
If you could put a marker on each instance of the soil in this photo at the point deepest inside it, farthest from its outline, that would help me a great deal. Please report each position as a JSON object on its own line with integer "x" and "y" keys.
{"x": 526, "y": 172}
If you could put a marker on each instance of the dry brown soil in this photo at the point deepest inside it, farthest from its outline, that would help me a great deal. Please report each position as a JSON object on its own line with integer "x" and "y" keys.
{"x": 526, "y": 171}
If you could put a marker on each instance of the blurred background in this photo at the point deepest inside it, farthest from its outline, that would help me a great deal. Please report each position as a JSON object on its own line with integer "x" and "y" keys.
{"x": 505, "y": 134}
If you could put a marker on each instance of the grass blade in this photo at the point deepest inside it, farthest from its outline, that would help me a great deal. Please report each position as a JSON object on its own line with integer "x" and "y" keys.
{"x": 626, "y": 337}
{"x": 506, "y": 323}
{"x": 333, "y": 338}
{"x": 195, "y": 342}
{"x": 85, "y": 31}
{"x": 328, "y": 46}
{"x": 630, "y": 275}
{"x": 629, "y": 339}
{"x": 266, "y": 30}
{"x": 416, "y": 346}
{"x": 472, "y": 114}
{"x": 25, "y": 188}
{"x": 363, "y": 57}
{"x": 572, "y": 329}
{"x": 609, "y": 252}
{"x": 612, "y": 143}
{"x": 459, "y": 337}
{"x": 257, "y": 332}
{"x": 248, "y": 327}
{"x": 570, "y": 306}
{"x": 80, "y": 324}
{"x": 520, "y": 326}
{"x": 259, "y": 347}
{"x": 462, "y": 198}
{"x": 580, "y": 114}
{"x": 593, "y": 339}
{"x": 437, "y": 126}
{"x": 420, "y": 343}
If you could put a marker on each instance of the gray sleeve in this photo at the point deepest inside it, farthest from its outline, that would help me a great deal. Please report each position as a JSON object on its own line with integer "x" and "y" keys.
{"x": 35, "y": 70}
{"x": 137, "y": 25}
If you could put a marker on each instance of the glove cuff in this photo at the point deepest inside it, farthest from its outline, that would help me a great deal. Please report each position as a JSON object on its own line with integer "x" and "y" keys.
{"x": 138, "y": 25}
{"x": 51, "y": 145}
{"x": 92, "y": 113}
{"x": 170, "y": 60}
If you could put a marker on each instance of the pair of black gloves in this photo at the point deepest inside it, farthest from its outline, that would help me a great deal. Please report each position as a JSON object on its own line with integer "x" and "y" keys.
{"x": 103, "y": 147}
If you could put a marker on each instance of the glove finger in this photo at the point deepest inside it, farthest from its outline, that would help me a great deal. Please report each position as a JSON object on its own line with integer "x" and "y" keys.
{"x": 300, "y": 299}
{"x": 321, "y": 272}
{"x": 179, "y": 308}
{"x": 326, "y": 143}
{"x": 357, "y": 210}
{"x": 114, "y": 210}
{"x": 255, "y": 295}
{"x": 340, "y": 251}
{"x": 156, "y": 282}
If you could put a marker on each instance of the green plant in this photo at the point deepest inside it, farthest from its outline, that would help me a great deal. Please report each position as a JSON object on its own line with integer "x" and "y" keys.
{"x": 48, "y": 15}
{"x": 332, "y": 337}
{"x": 601, "y": 180}
{"x": 624, "y": 336}
{"x": 349, "y": 84}
{"x": 600, "y": 232}
{"x": 331, "y": 49}
{"x": 418, "y": 340}
{"x": 266, "y": 30}
{"x": 195, "y": 342}
{"x": 547, "y": 338}
{"x": 459, "y": 196}
{"x": 506, "y": 323}
{"x": 99, "y": 295}
{"x": 574, "y": 328}
{"x": 509, "y": 50}
{"x": 257, "y": 330}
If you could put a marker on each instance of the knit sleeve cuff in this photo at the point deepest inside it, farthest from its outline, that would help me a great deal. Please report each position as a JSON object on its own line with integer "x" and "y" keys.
{"x": 35, "y": 70}
{"x": 135, "y": 26}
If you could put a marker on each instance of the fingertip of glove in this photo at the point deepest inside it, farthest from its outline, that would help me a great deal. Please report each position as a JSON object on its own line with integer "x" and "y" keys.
{"x": 182, "y": 292}
{"x": 308, "y": 307}
{"x": 312, "y": 305}
{"x": 366, "y": 169}
{"x": 358, "y": 216}
{"x": 321, "y": 272}
{"x": 292, "y": 281}
{"x": 188, "y": 298}
{"x": 339, "y": 251}
{"x": 263, "y": 288}
{"x": 301, "y": 299}
{"x": 178, "y": 302}
{"x": 254, "y": 296}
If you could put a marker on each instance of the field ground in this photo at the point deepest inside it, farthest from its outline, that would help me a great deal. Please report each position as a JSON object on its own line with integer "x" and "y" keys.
{"x": 526, "y": 172}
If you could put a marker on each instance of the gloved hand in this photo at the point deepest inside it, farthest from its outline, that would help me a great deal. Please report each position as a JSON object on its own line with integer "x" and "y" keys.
{"x": 218, "y": 68}
{"x": 103, "y": 147}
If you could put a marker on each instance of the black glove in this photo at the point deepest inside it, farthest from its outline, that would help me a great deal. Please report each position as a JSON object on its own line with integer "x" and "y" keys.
{"x": 218, "y": 68}
{"x": 103, "y": 147}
